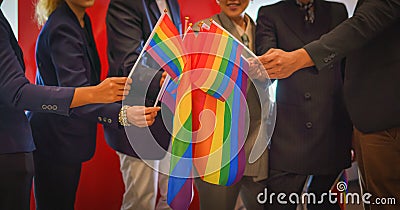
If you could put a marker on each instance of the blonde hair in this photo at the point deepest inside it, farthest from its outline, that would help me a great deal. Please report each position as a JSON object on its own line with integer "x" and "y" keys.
{"x": 44, "y": 8}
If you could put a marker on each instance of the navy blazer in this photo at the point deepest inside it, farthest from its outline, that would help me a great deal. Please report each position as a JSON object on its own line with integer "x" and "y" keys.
{"x": 17, "y": 95}
{"x": 63, "y": 59}
{"x": 129, "y": 24}
{"x": 313, "y": 131}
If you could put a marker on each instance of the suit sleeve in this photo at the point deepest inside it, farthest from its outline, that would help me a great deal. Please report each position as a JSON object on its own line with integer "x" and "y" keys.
{"x": 265, "y": 32}
{"x": 370, "y": 19}
{"x": 17, "y": 92}
{"x": 67, "y": 54}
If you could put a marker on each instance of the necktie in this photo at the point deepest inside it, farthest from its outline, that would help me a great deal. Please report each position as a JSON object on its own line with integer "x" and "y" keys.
{"x": 245, "y": 40}
{"x": 308, "y": 9}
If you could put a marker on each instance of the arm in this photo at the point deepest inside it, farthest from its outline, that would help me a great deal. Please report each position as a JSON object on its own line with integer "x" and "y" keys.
{"x": 110, "y": 90}
{"x": 16, "y": 91}
{"x": 370, "y": 19}
{"x": 66, "y": 45}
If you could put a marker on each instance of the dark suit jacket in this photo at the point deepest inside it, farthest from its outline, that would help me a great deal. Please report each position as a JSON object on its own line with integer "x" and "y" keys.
{"x": 129, "y": 24}
{"x": 63, "y": 59}
{"x": 370, "y": 40}
{"x": 17, "y": 95}
{"x": 312, "y": 133}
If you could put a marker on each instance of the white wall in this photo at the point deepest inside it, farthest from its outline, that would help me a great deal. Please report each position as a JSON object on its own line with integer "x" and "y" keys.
{"x": 256, "y": 4}
{"x": 10, "y": 10}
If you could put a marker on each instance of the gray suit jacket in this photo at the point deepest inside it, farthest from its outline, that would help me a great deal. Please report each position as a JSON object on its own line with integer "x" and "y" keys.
{"x": 258, "y": 169}
{"x": 312, "y": 132}
{"x": 370, "y": 40}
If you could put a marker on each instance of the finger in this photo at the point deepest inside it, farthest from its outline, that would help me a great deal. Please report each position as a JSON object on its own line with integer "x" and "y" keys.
{"x": 121, "y": 80}
{"x": 151, "y": 109}
{"x": 117, "y": 80}
{"x": 272, "y": 50}
{"x": 125, "y": 87}
{"x": 119, "y": 92}
{"x": 149, "y": 117}
{"x": 129, "y": 81}
{"x": 125, "y": 92}
{"x": 265, "y": 59}
{"x": 149, "y": 123}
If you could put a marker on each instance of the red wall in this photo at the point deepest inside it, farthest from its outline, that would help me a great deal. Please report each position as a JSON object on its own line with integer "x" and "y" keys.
{"x": 101, "y": 186}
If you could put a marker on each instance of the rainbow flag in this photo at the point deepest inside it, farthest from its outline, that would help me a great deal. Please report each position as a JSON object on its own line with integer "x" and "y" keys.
{"x": 211, "y": 77}
{"x": 219, "y": 57}
{"x": 165, "y": 46}
{"x": 218, "y": 153}
{"x": 180, "y": 184}
{"x": 340, "y": 187}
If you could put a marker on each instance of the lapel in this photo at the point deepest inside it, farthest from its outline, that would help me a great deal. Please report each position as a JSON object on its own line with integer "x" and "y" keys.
{"x": 294, "y": 19}
{"x": 228, "y": 25}
{"x": 94, "y": 61}
{"x": 253, "y": 32}
{"x": 88, "y": 60}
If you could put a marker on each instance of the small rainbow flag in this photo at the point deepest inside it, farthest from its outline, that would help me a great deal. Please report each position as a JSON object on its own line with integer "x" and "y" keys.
{"x": 165, "y": 46}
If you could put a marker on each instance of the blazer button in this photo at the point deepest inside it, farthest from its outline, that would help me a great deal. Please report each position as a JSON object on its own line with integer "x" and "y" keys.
{"x": 309, "y": 125}
{"x": 104, "y": 119}
{"x": 54, "y": 107}
{"x": 326, "y": 60}
{"x": 44, "y": 107}
{"x": 109, "y": 121}
{"x": 307, "y": 96}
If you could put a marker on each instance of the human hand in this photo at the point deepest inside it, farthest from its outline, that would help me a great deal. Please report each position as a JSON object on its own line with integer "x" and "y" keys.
{"x": 109, "y": 91}
{"x": 256, "y": 70}
{"x": 113, "y": 89}
{"x": 280, "y": 64}
{"x": 163, "y": 76}
{"x": 142, "y": 116}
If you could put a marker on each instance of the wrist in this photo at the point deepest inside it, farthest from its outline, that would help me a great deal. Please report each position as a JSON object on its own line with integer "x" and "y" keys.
{"x": 303, "y": 58}
{"x": 82, "y": 96}
{"x": 122, "y": 116}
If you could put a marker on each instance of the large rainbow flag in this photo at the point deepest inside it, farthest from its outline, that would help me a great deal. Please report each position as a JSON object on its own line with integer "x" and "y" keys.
{"x": 217, "y": 152}
{"x": 212, "y": 79}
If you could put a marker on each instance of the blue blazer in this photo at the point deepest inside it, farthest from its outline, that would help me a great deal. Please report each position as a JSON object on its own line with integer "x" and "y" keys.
{"x": 63, "y": 59}
{"x": 129, "y": 24}
{"x": 17, "y": 95}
